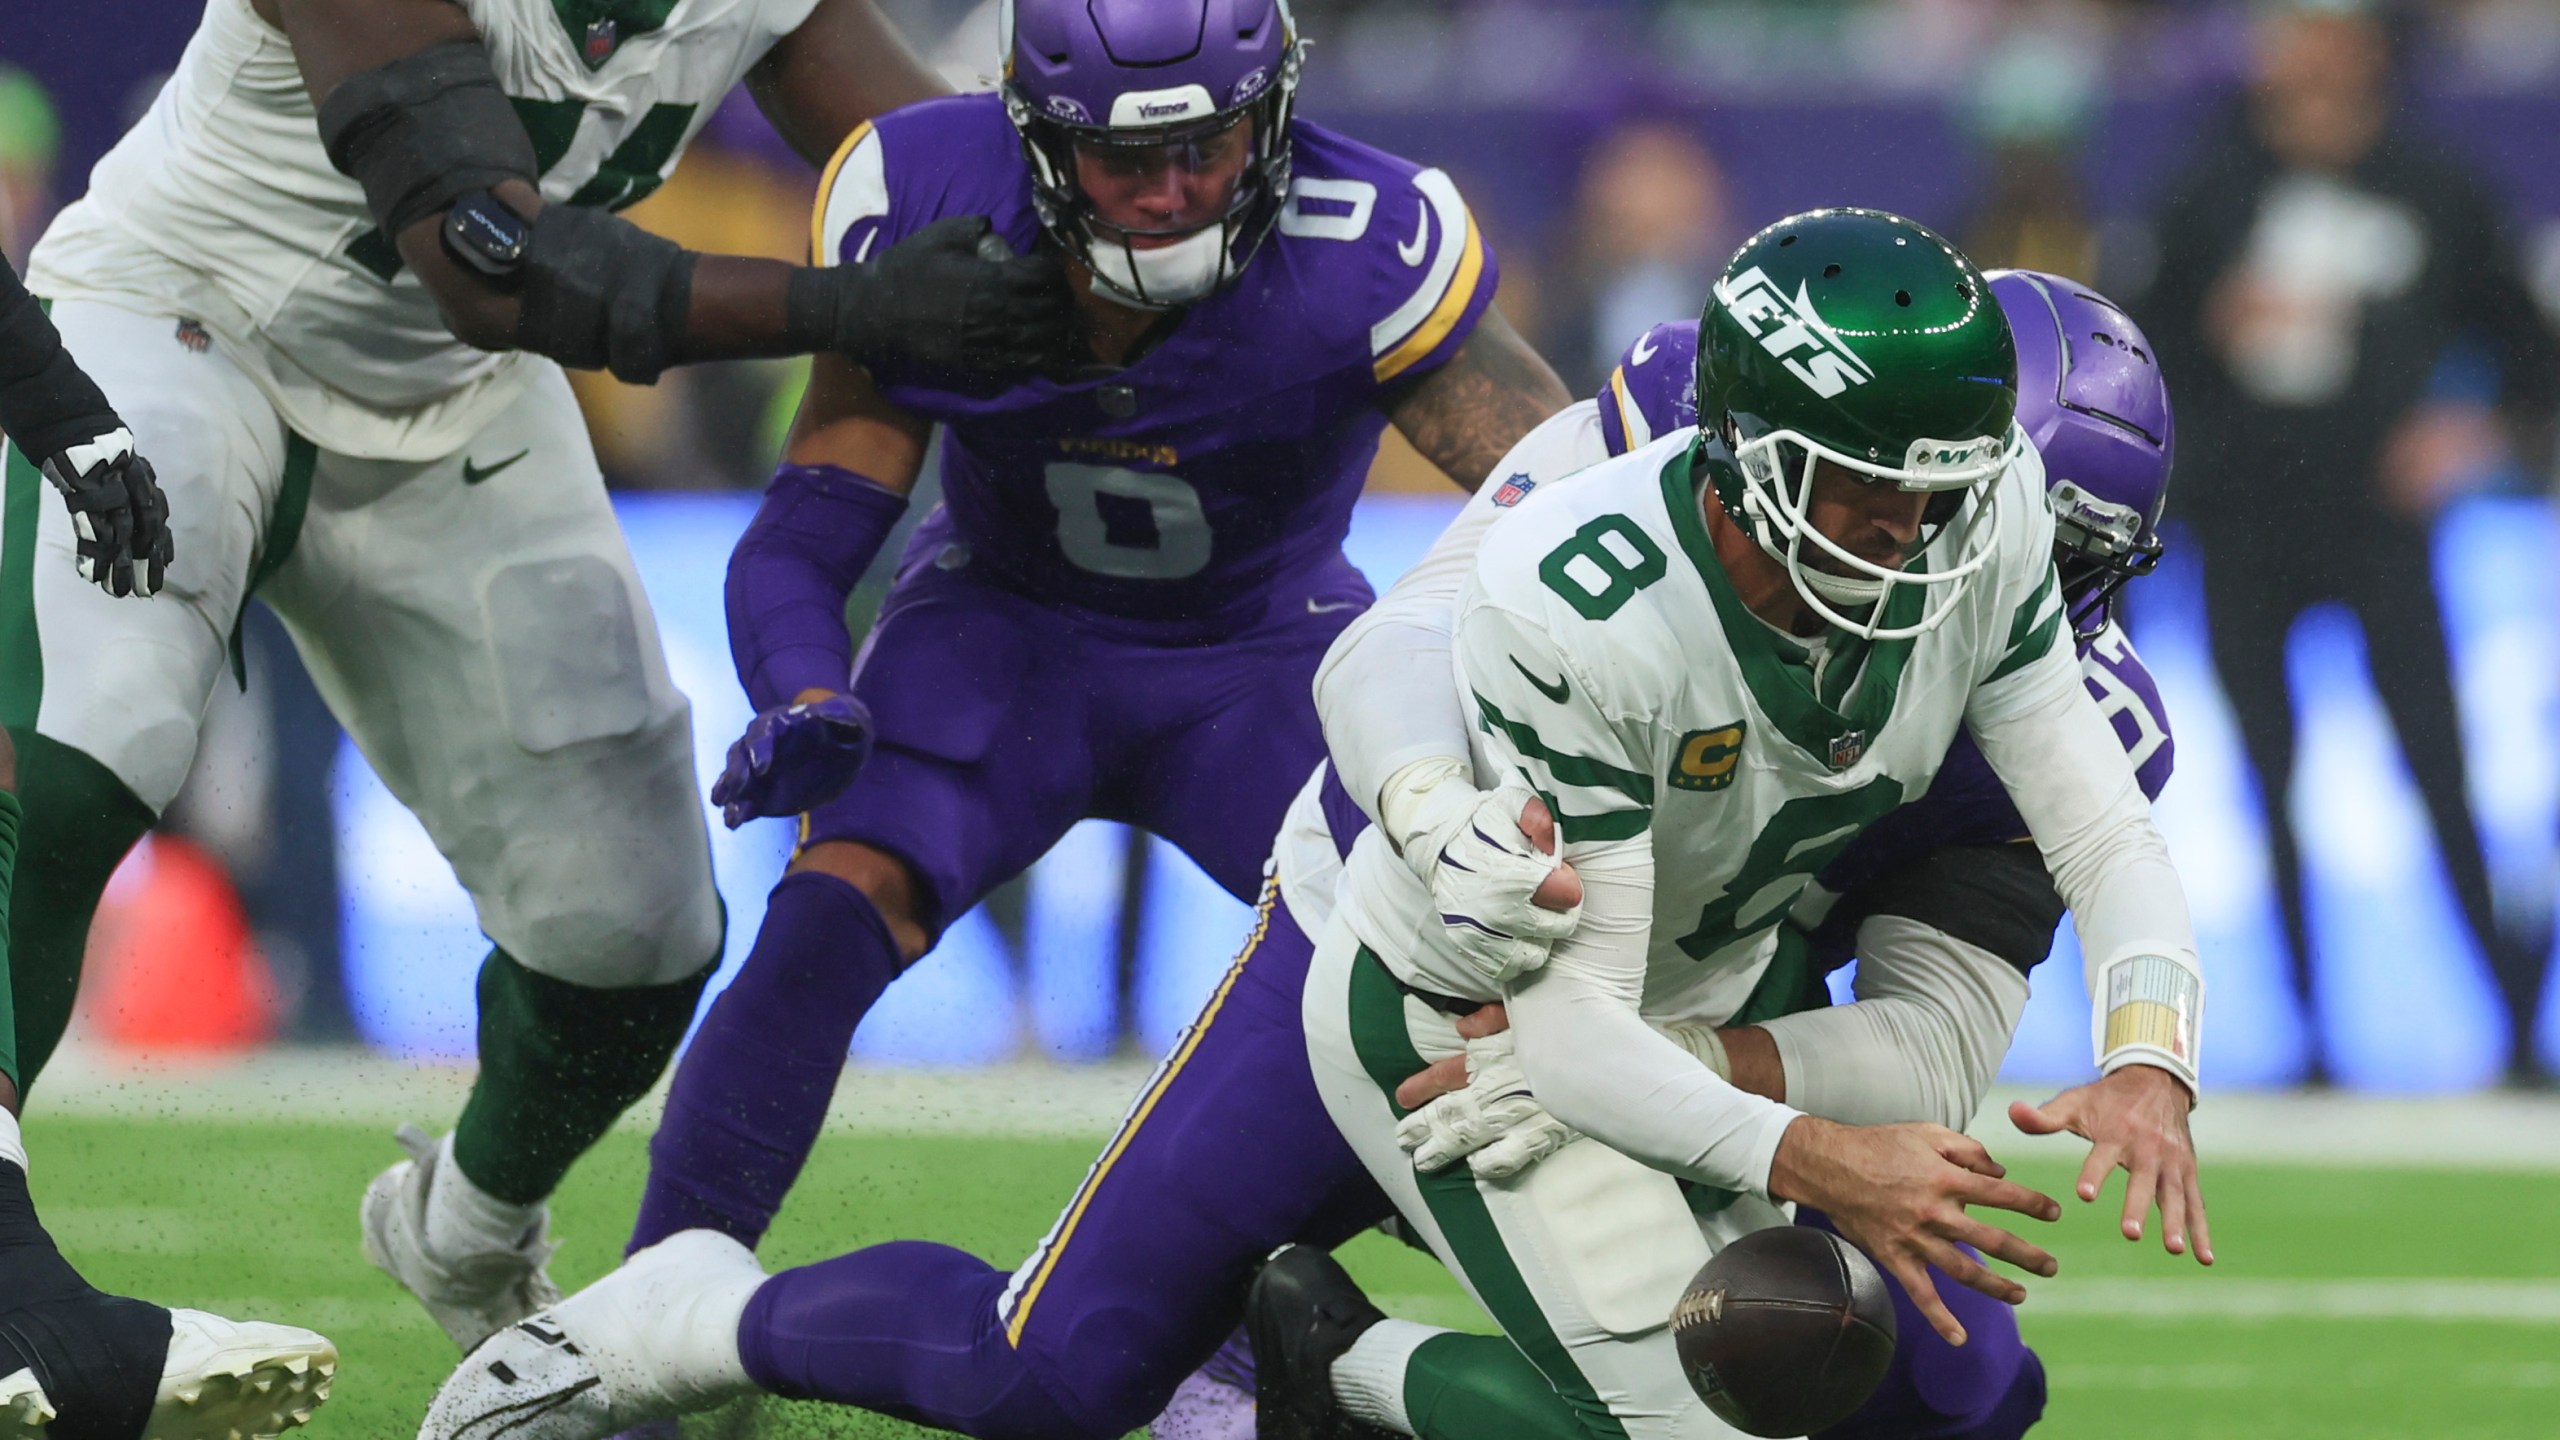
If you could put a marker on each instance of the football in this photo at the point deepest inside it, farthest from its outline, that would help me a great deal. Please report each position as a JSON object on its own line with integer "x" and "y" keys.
{"x": 1786, "y": 1331}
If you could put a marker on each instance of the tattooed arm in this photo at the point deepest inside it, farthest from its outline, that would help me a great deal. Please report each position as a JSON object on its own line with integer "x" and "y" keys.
{"x": 1465, "y": 415}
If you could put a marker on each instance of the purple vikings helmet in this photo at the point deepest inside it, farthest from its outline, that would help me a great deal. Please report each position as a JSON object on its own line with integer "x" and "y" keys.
{"x": 1159, "y": 79}
{"x": 2090, "y": 395}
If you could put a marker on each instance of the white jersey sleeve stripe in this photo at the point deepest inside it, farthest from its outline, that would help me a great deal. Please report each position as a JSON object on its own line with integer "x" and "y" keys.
{"x": 1454, "y": 243}
{"x": 854, "y": 187}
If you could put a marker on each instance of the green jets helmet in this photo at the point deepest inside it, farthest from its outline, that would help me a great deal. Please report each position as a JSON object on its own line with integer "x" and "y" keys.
{"x": 1866, "y": 340}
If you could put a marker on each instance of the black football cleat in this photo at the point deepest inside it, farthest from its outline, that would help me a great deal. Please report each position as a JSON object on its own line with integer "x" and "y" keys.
{"x": 1302, "y": 1313}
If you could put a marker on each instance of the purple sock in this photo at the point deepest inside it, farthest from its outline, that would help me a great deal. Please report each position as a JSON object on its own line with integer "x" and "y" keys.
{"x": 907, "y": 1329}
{"x": 752, "y": 1089}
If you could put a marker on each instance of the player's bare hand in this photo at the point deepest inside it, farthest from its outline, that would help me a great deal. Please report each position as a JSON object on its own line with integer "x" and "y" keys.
{"x": 1900, "y": 1192}
{"x": 1560, "y": 891}
{"x": 2136, "y": 1118}
{"x": 1424, "y": 1086}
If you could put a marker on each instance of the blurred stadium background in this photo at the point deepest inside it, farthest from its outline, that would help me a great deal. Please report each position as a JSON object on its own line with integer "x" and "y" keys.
{"x": 2391, "y": 1266}
{"x": 1614, "y": 152}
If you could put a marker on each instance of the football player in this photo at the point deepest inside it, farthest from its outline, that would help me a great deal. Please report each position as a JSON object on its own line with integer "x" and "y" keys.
{"x": 427, "y": 517}
{"x": 75, "y": 1361}
{"x": 1119, "y": 607}
{"x": 1225, "y": 1155}
{"x": 1718, "y": 659}
{"x": 1947, "y": 909}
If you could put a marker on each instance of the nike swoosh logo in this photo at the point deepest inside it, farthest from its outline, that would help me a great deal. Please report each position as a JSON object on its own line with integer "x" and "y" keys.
{"x": 1411, "y": 254}
{"x": 1556, "y": 692}
{"x": 1644, "y": 347}
{"x": 473, "y": 474}
{"x": 1326, "y": 609}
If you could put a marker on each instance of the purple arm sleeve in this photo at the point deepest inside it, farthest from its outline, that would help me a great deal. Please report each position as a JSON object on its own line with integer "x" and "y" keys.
{"x": 815, "y": 534}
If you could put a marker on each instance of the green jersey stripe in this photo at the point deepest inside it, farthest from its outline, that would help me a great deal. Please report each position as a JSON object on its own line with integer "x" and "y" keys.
{"x": 1571, "y": 769}
{"x": 21, "y": 652}
{"x": 2033, "y": 631}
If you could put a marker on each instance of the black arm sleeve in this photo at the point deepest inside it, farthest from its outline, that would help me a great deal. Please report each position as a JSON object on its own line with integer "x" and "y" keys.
{"x": 1997, "y": 897}
{"x": 47, "y": 405}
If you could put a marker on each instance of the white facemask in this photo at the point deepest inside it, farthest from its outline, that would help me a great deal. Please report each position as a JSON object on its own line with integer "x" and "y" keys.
{"x": 1174, "y": 274}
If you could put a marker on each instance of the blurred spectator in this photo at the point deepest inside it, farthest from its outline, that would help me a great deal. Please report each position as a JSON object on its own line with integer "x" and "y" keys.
{"x": 1653, "y": 225}
{"x": 2028, "y": 108}
{"x": 2315, "y": 267}
{"x": 30, "y": 138}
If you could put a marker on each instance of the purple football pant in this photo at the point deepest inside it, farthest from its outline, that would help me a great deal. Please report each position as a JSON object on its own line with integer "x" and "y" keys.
{"x": 1001, "y": 722}
{"x": 1989, "y": 1388}
{"x": 1227, "y": 1155}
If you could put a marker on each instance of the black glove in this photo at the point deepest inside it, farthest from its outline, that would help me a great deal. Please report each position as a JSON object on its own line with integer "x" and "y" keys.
{"x": 949, "y": 305}
{"x": 117, "y": 512}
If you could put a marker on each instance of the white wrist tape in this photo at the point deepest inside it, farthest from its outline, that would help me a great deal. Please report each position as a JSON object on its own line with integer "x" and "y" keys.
{"x": 2148, "y": 1010}
{"x": 1703, "y": 1042}
{"x": 1424, "y": 803}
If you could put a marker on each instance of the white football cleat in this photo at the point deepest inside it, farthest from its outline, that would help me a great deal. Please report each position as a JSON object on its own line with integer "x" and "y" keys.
{"x": 24, "y": 1408}
{"x": 471, "y": 1296}
{"x": 656, "y": 1338}
{"x": 236, "y": 1380}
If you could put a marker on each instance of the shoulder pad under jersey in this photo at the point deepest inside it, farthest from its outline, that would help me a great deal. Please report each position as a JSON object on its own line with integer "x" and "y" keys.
{"x": 1389, "y": 246}
{"x": 1654, "y": 389}
{"x": 917, "y": 164}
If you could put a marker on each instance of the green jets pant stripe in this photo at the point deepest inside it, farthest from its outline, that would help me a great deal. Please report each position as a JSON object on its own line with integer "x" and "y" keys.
{"x": 10, "y": 813}
{"x": 1386, "y": 1051}
{"x": 284, "y": 532}
{"x": 21, "y": 655}
{"x": 79, "y": 822}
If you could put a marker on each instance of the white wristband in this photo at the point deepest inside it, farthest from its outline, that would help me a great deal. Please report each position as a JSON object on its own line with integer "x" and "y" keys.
{"x": 2148, "y": 1010}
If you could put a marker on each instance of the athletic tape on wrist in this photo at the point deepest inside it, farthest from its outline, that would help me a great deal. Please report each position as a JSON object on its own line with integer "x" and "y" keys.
{"x": 2149, "y": 1010}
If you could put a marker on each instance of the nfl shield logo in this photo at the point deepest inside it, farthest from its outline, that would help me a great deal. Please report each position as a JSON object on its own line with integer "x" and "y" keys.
{"x": 1846, "y": 749}
{"x": 1514, "y": 490}
{"x": 603, "y": 38}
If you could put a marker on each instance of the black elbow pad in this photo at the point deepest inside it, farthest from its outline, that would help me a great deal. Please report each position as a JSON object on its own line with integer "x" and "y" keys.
{"x": 423, "y": 130}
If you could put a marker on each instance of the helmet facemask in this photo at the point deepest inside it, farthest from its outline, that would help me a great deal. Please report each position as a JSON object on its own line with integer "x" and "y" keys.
{"x": 2098, "y": 546}
{"x": 1959, "y": 530}
{"x": 1203, "y": 257}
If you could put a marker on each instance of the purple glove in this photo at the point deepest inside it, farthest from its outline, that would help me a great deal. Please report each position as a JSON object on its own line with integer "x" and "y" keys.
{"x": 793, "y": 757}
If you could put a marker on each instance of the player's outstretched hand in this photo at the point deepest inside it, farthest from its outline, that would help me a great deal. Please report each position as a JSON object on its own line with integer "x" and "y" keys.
{"x": 1899, "y": 1193}
{"x": 793, "y": 757}
{"x": 953, "y": 304}
{"x": 2136, "y": 1118}
{"x": 119, "y": 518}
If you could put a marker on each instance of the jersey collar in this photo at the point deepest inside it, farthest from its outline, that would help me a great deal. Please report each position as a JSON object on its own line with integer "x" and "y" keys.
{"x": 597, "y": 28}
{"x": 1862, "y": 677}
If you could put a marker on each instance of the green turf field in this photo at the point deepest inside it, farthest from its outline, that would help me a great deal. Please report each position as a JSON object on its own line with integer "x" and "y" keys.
{"x": 2349, "y": 1303}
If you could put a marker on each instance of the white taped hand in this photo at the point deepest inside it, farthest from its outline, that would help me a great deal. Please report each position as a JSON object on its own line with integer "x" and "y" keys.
{"x": 1495, "y": 1124}
{"x": 1483, "y": 870}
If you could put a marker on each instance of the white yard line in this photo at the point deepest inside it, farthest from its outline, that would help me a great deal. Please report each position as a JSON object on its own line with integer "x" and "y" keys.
{"x": 2518, "y": 1302}
{"x": 2490, "y": 1131}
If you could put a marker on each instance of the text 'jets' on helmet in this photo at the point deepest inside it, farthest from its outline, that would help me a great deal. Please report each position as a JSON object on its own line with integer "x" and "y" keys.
{"x": 1140, "y": 88}
{"x": 1865, "y": 340}
{"x": 2091, "y": 397}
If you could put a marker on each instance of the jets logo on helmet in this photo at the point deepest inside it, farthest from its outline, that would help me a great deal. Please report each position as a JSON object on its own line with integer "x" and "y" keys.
{"x": 1785, "y": 327}
{"x": 1925, "y": 402}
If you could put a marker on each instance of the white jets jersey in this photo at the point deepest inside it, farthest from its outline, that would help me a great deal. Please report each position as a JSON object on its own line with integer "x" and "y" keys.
{"x": 1605, "y": 659}
{"x": 221, "y": 204}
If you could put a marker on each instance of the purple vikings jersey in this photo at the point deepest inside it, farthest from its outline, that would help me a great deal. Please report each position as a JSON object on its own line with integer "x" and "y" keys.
{"x": 1652, "y": 392}
{"x": 1227, "y": 457}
